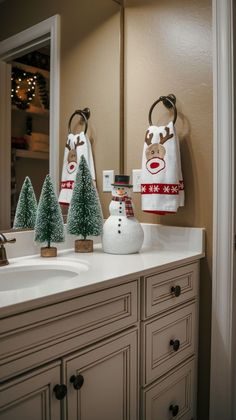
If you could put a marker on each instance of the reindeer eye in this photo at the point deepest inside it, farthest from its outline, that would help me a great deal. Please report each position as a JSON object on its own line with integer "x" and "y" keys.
{"x": 152, "y": 152}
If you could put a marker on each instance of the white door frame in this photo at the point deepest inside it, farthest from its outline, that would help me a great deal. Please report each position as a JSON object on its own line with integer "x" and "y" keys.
{"x": 222, "y": 392}
{"x": 35, "y": 36}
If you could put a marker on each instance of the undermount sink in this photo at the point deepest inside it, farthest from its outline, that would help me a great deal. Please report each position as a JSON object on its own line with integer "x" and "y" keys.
{"x": 37, "y": 273}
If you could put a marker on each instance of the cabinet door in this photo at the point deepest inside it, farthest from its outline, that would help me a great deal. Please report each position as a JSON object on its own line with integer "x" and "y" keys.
{"x": 109, "y": 375}
{"x": 31, "y": 396}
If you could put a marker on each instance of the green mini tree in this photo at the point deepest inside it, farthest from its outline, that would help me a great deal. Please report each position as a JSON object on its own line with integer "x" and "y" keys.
{"x": 49, "y": 222}
{"x": 84, "y": 215}
{"x": 26, "y": 208}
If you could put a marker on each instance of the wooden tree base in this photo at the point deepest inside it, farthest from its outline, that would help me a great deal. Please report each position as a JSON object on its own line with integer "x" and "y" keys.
{"x": 48, "y": 252}
{"x": 84, "y": 245}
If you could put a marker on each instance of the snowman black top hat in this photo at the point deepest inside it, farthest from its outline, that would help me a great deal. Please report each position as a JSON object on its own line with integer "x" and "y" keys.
{"x": 122, "y": 181}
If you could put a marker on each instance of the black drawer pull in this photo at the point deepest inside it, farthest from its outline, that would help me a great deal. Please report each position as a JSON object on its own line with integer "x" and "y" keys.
{"x": 174, "y": 409}
{"x": 60, "y": 391}
{"x": 77, "y": 381}
{"x": 176, "y": 290}
{"x": 175, "y": 344}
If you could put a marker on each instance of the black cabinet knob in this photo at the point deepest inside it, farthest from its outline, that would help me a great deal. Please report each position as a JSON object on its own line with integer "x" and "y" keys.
{"x": 174, "y": 409}
{"x": 60, "y": 391}
{"x": 176, "y": 290}
{"x": 77, "y": 381}
{"x": 175, "y": 344}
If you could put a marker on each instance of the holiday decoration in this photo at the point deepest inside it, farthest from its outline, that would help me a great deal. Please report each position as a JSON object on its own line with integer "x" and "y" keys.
{"x": 122, "y": 233}
{"x": 26, "y": 209}
{"x": 49, "y": 222}
{"x": 23, "y": 85}
{"x": 84, "y": 215}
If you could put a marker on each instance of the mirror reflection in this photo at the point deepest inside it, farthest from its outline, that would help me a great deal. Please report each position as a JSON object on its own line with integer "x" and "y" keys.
{"x": 30, "y": 75}
{"x": 89, "y": 77}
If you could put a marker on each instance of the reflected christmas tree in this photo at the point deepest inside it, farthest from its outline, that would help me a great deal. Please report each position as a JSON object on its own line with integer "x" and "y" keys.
{"x": 26, "y": 209}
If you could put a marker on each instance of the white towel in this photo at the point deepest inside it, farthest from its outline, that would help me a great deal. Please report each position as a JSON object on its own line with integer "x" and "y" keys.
{"x": 76, "y": 146}
{"x": 162, "y": 186}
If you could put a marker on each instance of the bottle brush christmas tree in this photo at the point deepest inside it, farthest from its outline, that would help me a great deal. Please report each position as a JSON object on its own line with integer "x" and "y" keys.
{"x": 84, "y": 215}
{"x": 26, "y": 208}
{"x": 49, "y": 222}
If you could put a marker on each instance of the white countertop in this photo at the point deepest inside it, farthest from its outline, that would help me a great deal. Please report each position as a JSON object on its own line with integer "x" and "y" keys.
{"x": 163, "y": 248}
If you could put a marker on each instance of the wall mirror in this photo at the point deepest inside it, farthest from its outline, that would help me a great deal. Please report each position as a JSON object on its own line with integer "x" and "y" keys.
{"x": 77, "y": 56}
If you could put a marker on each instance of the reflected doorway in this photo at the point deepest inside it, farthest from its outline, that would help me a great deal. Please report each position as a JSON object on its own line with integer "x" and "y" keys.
{"x": 41, "y": 35}
{"x": 30, "y": 107}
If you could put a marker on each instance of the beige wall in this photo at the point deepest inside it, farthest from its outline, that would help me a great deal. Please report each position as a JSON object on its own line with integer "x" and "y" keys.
{"x": 90, "y": 67}
{"x": 168, "y": 50}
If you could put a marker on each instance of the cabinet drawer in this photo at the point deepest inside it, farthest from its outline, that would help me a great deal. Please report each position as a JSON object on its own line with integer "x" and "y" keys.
{"x": 166, "y": 290}
{"x": 40, "y": 335}
{"x": 167, "y": 341}
{"x": 172, "y": 397}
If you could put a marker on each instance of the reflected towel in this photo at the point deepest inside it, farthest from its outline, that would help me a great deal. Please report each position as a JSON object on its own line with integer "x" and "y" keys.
{"x": 76, "y": 146}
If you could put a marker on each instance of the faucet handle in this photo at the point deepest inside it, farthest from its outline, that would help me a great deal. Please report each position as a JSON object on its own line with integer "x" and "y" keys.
{"x": 3, "y": 255}
{"x": 4, "y": 240}
{"x": 11, "y": 241}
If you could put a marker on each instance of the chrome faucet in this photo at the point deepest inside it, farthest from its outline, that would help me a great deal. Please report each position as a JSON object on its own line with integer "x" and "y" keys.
{"x": 3, "y": 254}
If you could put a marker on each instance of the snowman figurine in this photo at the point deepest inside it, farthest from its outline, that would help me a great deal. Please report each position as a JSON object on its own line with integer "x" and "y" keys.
{"x": 122, "y": 233}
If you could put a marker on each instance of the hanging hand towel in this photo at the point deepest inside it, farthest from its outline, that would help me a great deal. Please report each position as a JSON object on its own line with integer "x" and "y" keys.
{"x": 162, "y": 186}
{"x": 76, "y": 146}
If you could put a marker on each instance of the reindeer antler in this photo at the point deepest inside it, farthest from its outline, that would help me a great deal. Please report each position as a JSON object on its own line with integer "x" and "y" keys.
{"x": 167, "y": 136}
{"x": 68, "y": 145}
{"x": 79, "y": 142}
{"x": 148, "y": 137}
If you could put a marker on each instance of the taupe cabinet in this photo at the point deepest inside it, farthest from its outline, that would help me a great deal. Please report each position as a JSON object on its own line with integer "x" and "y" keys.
{"x": 127, "y": 352}
{"x": 169, "y": 332}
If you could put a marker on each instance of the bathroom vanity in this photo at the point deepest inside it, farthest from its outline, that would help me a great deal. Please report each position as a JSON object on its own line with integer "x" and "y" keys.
{"x": 117, "y": 341}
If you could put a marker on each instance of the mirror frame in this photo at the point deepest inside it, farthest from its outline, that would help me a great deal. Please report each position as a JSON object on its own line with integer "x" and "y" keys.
{"x": 10, "y": 48}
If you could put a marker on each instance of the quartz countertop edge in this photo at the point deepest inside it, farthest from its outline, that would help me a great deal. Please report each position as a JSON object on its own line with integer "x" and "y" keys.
{"x": 182, "y": 246}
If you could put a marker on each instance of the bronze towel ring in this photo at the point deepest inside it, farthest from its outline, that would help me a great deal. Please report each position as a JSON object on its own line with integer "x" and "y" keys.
{"x": 85, "y": 114}
{"x": 168, "y": 101}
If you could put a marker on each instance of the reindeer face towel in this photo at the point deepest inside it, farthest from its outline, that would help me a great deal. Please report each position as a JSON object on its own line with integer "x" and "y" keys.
{"x": 162, "y": 186}
{"x": 76, "y": 146}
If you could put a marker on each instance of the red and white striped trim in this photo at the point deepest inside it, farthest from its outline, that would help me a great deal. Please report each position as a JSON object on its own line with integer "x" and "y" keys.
{"x": 67, "y": 185}
{"x": 169, "y": 189}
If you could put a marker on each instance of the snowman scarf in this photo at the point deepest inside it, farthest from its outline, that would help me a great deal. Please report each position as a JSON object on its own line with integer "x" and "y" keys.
{"x": 128, "y": 205}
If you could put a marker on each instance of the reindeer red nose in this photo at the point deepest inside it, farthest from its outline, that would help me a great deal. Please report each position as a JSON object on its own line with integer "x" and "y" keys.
{"x": 154, "y": 165}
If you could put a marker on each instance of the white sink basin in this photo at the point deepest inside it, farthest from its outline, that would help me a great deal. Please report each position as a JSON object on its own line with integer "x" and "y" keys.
{"x": 38, "y": 273}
